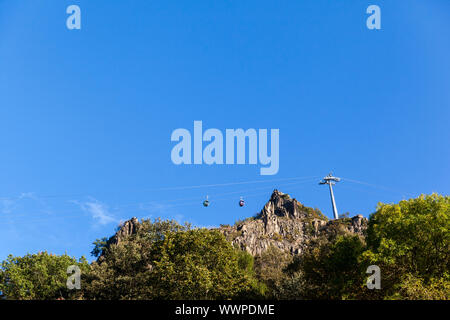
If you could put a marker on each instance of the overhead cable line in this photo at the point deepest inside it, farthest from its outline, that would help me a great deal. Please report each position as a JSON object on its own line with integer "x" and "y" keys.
{"x": 168, "y": 188}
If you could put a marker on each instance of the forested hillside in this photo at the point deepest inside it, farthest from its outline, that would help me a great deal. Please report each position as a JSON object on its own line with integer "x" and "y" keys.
{"x": 287, "y": 251}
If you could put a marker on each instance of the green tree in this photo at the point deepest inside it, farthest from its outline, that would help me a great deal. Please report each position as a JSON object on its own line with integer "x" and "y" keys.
{"x": 99, "y": 246}
{"x": 40, "y": 276}
{"x": 121, "y": 272}
{"x": 415, "y": 288}
{"x": 330, "y": 270}
{"x": 201, "y": 264}
{"x": 165, "y": 260}
{"x": 410, "y": 242}
{"x": 269, "y": 268}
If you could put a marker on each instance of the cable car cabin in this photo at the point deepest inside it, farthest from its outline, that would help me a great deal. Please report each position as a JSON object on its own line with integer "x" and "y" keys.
{"x": 205, "y": 203}
{"x": 241, "y": 203}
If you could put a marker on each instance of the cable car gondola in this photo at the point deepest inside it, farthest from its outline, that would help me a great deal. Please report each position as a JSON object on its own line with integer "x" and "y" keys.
{"x": 206, "y": 202}
{"x": 241, "y": 202}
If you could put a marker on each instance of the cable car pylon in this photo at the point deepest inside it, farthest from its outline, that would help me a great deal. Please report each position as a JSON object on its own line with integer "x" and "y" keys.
{"x": 330, "y": 181}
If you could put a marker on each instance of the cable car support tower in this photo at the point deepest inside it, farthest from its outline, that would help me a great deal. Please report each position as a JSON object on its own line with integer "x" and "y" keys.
{"x": 330, "y": 181}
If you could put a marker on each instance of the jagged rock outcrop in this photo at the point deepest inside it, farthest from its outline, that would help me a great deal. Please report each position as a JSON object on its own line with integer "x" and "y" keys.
{"x": 127, "y": 228}
{"x": 288, "y": 225}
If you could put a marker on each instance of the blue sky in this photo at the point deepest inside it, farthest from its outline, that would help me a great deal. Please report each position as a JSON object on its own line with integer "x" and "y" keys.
{"x": 86, "y": 115}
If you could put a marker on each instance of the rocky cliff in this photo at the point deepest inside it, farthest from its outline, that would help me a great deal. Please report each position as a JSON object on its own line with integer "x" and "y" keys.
{"x": 127, "y": 228}
{"x": 288, "y": 225}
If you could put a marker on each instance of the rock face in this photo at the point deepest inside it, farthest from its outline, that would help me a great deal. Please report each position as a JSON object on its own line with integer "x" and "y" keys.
{"x": 288, "y": 225}
{"x": 128, "y": 228}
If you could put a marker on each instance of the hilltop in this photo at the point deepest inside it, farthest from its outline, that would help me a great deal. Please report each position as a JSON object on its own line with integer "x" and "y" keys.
{"x": 284, "y": 223}
{"x": 287, "y": 224}
{"x": 286, "y": 251}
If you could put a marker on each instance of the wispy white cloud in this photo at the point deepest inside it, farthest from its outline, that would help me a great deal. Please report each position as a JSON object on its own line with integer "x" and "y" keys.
{"x": 28, "y": 195}
{"x": 98, "y": 210}
{"x": 7, "y": 205}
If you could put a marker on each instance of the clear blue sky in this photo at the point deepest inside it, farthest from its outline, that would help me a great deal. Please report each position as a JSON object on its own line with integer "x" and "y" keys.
{"x": 86, "y": 115}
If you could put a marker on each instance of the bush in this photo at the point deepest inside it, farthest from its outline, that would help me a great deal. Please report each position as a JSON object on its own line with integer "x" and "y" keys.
{"x": 40, "y": 276}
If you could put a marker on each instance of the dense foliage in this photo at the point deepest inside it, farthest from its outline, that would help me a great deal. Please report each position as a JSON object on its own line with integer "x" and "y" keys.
{"x": 409, "y": 241}
{"x": 165, "y": 260}
{"x": 40, "y": 276}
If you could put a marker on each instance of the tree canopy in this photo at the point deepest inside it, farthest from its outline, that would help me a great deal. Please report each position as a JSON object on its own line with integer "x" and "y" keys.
{"x": 40, "y": 276}
{"x": 409, "y": 242}
{"x": 165, "y": 260}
